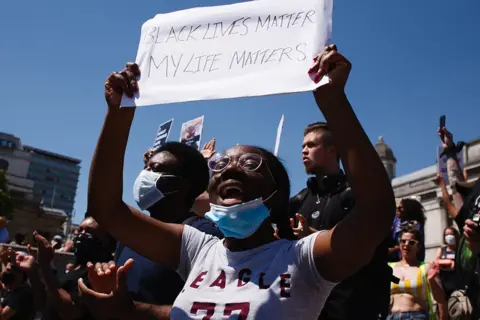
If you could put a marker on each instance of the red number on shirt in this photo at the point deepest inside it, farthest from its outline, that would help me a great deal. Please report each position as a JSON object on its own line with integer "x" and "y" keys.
{"x": 243, "y": 307}
{"x": 208, "y": 306}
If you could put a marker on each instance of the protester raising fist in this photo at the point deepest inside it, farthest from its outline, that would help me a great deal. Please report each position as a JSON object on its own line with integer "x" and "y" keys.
{"x": 119, "y": 83}
{"x": 332, "y": 63}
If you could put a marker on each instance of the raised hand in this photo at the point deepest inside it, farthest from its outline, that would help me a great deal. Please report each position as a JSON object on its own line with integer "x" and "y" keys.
{"x": 147, "y": 156}
{"x": 446, "y": 137}
{"x": 332, "y": 63}
{"x": 45, "y": 250}
{"x": 26, "y": 262}
{"x": 439, "y": 180}
{"x": 116, "y": 304}
{"x": 276, "y": 234}
{"x": 68, "y": 246}
{"x": 209, "y": 149}
{"x": 122, "y": 82}
{"x": 303, "y": 229}
{"x": 102, "y": 276}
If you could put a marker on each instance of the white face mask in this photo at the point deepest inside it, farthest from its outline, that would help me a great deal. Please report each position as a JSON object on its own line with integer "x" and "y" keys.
{"x": 145, "y": 191}
{"x": 450, "y": 239}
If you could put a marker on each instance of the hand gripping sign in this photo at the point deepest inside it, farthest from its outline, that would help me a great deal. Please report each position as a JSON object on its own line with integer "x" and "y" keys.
{"x": 241, "y": 50}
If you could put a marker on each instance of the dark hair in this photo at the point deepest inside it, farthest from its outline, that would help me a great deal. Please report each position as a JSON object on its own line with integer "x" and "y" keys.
{"x": 456, "y": 234}
{"x": 327, "y": 136}
{"x": 191, "y": 164}
{"x": 8, "y": 277}
{"x": 415, "y": 231}
{"x": 413, "y": 210}
{"x": 281, "y": 217}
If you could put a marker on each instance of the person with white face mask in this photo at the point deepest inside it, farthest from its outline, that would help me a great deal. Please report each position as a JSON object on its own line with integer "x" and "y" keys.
{"x": 250, "y": 274}
{"x": 174, "y": 175}
{"x": 446, "y": 260}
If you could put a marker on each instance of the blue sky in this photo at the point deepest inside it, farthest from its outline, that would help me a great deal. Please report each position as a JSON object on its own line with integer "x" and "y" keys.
{"x": 412, "y": 62}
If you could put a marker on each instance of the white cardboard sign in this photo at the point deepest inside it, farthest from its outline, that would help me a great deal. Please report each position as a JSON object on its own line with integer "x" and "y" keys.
{"x": 241, "y": 50}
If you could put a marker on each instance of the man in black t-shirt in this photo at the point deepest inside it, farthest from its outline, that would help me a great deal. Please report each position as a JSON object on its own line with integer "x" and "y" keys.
{"x": 18, "y": 303}
{"x": 322, "y": 205}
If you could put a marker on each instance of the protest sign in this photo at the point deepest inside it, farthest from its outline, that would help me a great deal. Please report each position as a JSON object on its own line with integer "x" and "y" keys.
{"x": 240, "y": 50}
{"x": 162, "y": 133}
{"x": 191, "y": 132}
{"x": 442, "y": 163}
{"x": 279, "y": 135}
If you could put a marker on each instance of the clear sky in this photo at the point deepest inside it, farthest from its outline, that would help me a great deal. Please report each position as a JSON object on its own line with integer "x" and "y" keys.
{"x": 412, "y": 61}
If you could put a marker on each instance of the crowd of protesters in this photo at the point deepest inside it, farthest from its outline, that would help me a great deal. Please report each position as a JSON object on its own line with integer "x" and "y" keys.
{"x": 224, "y": 239}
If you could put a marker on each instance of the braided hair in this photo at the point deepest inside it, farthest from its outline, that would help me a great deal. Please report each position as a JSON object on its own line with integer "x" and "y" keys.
{"x": 279, "y": 215}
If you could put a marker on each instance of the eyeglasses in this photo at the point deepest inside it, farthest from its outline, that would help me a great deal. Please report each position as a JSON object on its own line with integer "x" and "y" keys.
{"x": 247, "y": 162}
{"x": 408, "y": 242}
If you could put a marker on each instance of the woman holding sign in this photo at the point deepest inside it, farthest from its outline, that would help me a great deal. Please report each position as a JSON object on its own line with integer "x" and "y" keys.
{"x": 251, "y": 274}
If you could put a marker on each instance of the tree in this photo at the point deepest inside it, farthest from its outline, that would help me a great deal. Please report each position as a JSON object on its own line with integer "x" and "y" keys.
{"x": 6, "y": 202}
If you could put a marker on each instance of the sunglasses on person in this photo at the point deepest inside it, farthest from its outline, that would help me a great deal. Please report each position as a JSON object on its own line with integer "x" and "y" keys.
{"x": 408, "y": 242}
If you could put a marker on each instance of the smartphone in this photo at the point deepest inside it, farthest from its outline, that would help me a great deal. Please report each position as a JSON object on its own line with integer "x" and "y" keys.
{"x": 442, "y": 121}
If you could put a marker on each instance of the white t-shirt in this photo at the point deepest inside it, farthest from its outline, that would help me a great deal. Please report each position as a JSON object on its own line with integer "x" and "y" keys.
{"x": 278, "y": 280}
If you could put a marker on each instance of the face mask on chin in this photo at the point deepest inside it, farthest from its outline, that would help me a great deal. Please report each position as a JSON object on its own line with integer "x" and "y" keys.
{"x": 239, "y": 221}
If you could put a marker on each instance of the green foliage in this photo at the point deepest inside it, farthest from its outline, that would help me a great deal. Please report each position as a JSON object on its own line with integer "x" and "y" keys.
{"x": 6, "y": 202}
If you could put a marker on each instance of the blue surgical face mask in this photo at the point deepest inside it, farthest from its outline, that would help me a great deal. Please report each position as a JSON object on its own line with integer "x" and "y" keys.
{"x": 239, "y": 221}
{"x": 145, "y": 191}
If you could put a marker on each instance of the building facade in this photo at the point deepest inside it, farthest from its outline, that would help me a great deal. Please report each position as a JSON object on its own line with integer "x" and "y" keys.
{"x": 56, "y": 178}
{"x": 42, "y": 184}
{"x": 421, "y": 185}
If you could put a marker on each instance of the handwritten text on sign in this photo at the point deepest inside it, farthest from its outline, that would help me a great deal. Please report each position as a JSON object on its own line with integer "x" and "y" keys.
{"x": 245, "y": 49}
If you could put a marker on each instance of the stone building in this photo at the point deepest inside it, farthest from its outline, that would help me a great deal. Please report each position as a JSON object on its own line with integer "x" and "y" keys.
{"x": 421, "y": 186}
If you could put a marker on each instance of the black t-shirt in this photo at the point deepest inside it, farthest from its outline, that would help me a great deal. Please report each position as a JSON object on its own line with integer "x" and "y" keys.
{"x": 466, "y": 264}
{"x": 20, "y": 300}
{"x": 69, "y": 283}
{"x": 449, "y": 278}
{"x": 366, "y": 294}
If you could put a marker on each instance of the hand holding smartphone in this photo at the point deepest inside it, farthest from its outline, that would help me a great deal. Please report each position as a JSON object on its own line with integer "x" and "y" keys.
{"x": 442, "y": 126}
{"x": 442, "y": 121}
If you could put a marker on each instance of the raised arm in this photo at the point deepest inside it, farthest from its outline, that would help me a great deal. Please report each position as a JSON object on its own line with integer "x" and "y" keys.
{"x": 56, "y": 297}
{"x": 370, "y": 222}
{"x": 108, "y": 297}
{"x": 453, "y": 168}
{"x": 202, "y": 204}
{"x": 447, "y": 202}
{"x": 105, "y": 186}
